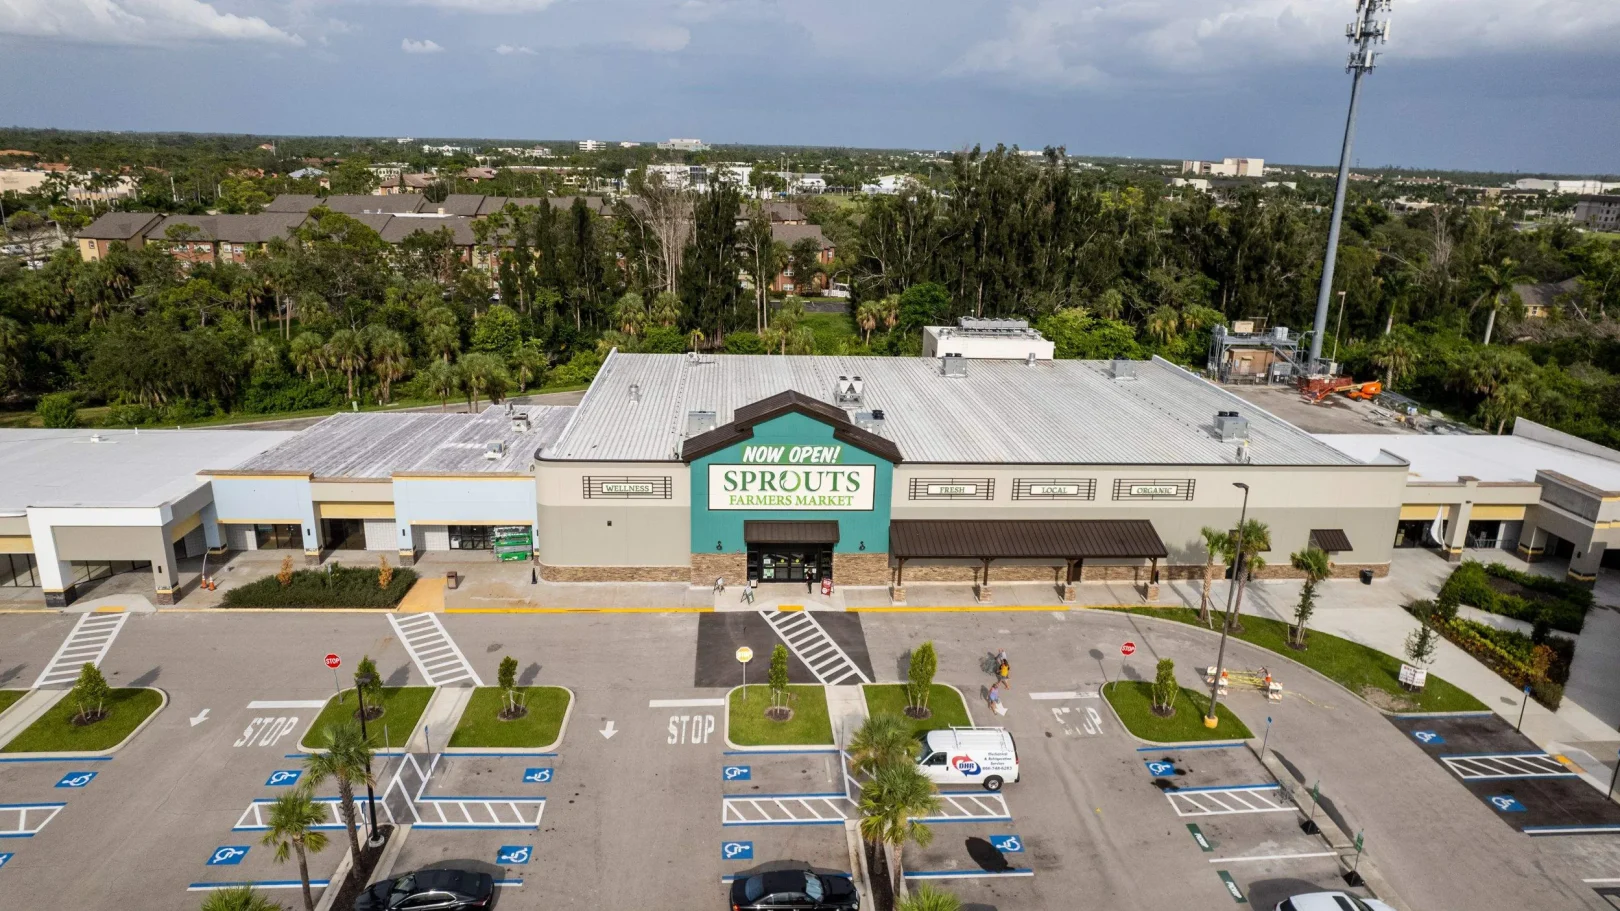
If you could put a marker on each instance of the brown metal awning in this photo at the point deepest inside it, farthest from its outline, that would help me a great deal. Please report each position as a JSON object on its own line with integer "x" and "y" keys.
{"x": 994, "y": 539}
{"x": 1332, "y": 540}
{"x": 759, "y": 531}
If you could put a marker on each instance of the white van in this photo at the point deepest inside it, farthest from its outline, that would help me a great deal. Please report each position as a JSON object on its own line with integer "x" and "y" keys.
{"x": 986, "y": 756}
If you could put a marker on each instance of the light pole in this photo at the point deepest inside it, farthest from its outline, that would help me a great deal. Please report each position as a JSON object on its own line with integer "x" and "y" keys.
{"x": 1363, "y": 33}
{"x": 1211, "y": 720}
{"x": 361, "y": 681}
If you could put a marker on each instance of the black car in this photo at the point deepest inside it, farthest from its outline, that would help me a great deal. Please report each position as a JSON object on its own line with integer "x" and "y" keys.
{"x": 794, "y": 890}
{"x": 429, "y": 890}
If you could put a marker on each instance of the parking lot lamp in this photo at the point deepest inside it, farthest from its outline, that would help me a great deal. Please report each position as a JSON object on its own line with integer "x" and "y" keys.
{"x": 1211, "y": 720}
{"x": 361, "y": 681}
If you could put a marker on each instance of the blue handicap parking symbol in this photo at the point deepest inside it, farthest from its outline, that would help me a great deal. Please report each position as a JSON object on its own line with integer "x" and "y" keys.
{"x": 536, "y": 776}
{"x": 284, "y": 777}
{"x": 737, "y": 850}
{"x": 76, "y": 779}
{"x": 227, "y": 855}
{"x": 1429, "y": 737}
{"x": 738, "y": 773}
{"x": 4, "y": 858}
{"x": 1160, "y": 769}
{"x": 514, "y": 854}
{"x": 1508, "y": 804}
{"x": 1007, "y": 844}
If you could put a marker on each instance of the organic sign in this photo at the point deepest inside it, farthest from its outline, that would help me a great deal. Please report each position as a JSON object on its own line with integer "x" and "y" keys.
{"x": 792, "y": 477}
{"x": 1153, "y": 490}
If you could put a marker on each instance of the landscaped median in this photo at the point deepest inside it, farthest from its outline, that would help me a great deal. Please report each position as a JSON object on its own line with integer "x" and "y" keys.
{"x": 1365, "y": 671}
{"x": 382, "y": 586}
{"x": 62, "y": 728}
{"x": 1133, "y": 703}
{"x": 489, "y": 720}
{"x": 748, "y": 726}
{"x": 946, "y": 708}
{"x": 402, "y": 708}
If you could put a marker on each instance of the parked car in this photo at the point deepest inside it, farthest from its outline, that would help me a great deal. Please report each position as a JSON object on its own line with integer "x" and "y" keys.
{"x": 1331, "y": 901}
{"x": 795, "y": 890}
{"x": 429, "y": 890}
{"x": 986, "y": 756}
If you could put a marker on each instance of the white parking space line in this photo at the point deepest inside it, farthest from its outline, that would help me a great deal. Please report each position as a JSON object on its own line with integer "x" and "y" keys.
{"x": 1063, "y": 694}
{"x": 287, "y": 704}
{"x": 88, "y": 643}
{"x": 1225, "y": 800}
{"x": 253, "y": 819}
{"x": 25, "y": 820}
{"x": 833, "y": 808}
{"x": 813, "y": 647}
{"x": 683, "y": 703}
{"x": 424, "y": 636}
{"x": 1483, "y": 766}
{"x": 1239, "y": 860}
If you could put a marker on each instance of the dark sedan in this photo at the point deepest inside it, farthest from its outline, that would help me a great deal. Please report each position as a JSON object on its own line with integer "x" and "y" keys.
{"x": 429, "y": 890}
{"x": 794, "y": 890}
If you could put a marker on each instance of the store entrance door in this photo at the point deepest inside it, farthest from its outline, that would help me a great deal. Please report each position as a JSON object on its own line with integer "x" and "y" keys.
{"x": 789, "y": 562}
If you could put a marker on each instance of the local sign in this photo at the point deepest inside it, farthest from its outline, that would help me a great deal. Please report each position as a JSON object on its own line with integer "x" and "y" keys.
{"x": 1128, "y": 649}
{"x": 799, "y": 477}
{"x": 1054, "y": 490}
{"x": 332, "y": 660}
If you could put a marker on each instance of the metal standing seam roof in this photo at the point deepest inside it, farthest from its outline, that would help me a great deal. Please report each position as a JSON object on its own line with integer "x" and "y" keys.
{"x": 1046, "y": 538}
{"x": 1332, "y": 540}
{"x": 1060, "y": 412}
{"x": 378, "y": 446}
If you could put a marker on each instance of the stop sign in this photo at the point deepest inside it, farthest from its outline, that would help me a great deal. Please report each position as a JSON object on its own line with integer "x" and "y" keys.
{"x": 1128, "y": 649}
{"x": 332, "y": 660}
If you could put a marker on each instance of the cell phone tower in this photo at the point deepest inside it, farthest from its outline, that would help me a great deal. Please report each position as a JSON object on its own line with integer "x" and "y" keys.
{"x": 1368, "y": 30}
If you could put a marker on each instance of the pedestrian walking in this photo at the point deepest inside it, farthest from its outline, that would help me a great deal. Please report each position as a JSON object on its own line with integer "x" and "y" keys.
{"x": 809, "y": 581}
{"x": 1003, "y": 671}
{"x": 994, "y": 700}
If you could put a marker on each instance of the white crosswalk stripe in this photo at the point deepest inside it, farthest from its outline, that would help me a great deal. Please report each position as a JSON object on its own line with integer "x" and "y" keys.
{"x": 1472, "y": 767}
{"x": 816, "y": 650}
{"x": 433, "y": 651}
{"x": 1227, "y": 800}
{"x": 88, "y": 643}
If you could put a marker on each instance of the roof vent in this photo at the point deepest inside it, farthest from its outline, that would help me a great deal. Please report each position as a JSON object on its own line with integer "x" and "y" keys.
{"x": 95, "y": 437}
{"x": 1231, "y": 427}
{"x": 850, "y": 390}
{"x": 494, "y": 449}
{"x": 635, "y": 392}
{"x": 870, "y": 420}
{"x": 520, "y": 422}
{"x": 1124, "y": 370}
{"x": 700, "y": 422}
{"x": 1029, "y": 359}
{"x": 953, "y": 365}
{"x": 1243, "y": 456}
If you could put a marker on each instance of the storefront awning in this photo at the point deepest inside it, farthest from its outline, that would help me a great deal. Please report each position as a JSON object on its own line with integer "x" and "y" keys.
{"x": 1332, "y": 540}
{"x": 759, "y": 531}
{"x": 988, "y": 540}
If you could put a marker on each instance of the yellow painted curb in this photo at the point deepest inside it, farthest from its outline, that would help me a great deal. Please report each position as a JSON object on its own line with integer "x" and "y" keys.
{"x": 790, "y": 607}
{"x": 578, "y": 610}
{"x": 965, "y": 608}
{"x": 108, "y": 610}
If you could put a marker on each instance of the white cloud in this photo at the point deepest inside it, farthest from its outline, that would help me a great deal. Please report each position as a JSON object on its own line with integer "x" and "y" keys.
{"x": 425, "y": 46}
{"x": 505, "y": 49}
{"x": 487, "y": 6}
{"x": 135, "y": 22}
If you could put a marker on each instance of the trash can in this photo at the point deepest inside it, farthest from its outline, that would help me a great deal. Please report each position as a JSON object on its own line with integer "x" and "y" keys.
{"x": 1366, "y": 577}
{"x": 453, "y": 578}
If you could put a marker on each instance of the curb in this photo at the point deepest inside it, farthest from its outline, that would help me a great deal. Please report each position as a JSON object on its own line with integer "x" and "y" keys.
{"x": 551, "y": 747}
{"x": 857, "y": 864}
{"x": 87, "y": 754}
{"x": 302, "y": 748}
{"x": 1174, "y": 744}
{"x": 778, "y": 747}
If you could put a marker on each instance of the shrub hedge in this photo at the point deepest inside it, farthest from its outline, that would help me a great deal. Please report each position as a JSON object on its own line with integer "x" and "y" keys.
{"x": 1507, "y": 652}
{"x": 337, "y": 587}
{"x": 1554, "y": 603}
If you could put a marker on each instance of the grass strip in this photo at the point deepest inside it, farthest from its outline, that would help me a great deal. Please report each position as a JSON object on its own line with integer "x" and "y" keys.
{"x": 55, "y": 732}
{"x": 402, "y": 708}
{"x": 1133, "y": 700}
{"x": 947, "y": 705}
{"x": 746, "y": 724}
{"x": 481, "y": 725}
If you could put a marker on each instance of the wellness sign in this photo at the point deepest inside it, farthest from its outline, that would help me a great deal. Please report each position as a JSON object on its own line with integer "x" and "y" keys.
{"x": 792, "y": 477}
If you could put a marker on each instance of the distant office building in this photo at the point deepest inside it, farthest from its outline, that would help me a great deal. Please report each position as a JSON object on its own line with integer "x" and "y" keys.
{"x": 890, "y": 185}
{"x": 1565, "y": 186}
{"x": 1226, "y": 167}
{"x": 442, "y": 150}
{"x": 592, "y": 145}
{"x": 683, "y": 145}
{"x": 532, "y": 152}
{"x": 1600, "y": 213}
{"x": 629, "y": 145}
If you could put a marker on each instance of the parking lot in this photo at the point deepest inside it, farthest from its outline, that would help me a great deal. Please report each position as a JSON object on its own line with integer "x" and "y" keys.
{"x": 644, "y": 804}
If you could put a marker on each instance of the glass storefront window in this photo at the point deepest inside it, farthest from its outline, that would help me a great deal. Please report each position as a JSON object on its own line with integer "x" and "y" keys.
{"x": 470, "y": 537}
{"x": 279, "y": 537}
{"x": 17, "y": 571}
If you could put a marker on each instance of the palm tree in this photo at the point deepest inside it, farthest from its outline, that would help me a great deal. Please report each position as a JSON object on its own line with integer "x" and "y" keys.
{"x": 1504, "y": 404}
{"x": 292, "y": 822}
{"x": 772, "y": 338}
{"x": 666, "y": 309}
{"x": 1313, "y": 562}
{"x": 308, "y": 354}
{"x": 440, "y": 333}
{"x": 1395, "y": 355}
{"x": 889, "y": 310}
{"x": 529, "y": 365}
{"x": 346, "y": 351}
{"x": 1214, "y": 546}
{"x": 629, "y": 312}
{"x": 695, "y": 339}
{"x": 263, "y": 353}
{"x": 802, "y": 340}
{"x": 390, "y": 358}
{"x": 347, "y": 759}
{"x": 867, "y": 316}
{"x": 1499, "y": 282}
{"x": 891, "y": 803}
{"x": 1162, "y": 324}
{"x": 442, "y": 379}
{"x": 883, "y": 739}
{"x": 238, "y": 898}
{"x": 1256, "y": 541}
{"x": 929, "y": 898}
{"x": 483, "y": 374}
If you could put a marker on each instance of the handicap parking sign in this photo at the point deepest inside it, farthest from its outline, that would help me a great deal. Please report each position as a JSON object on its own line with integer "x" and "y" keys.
{"x": 1428, "y": 737}
{"x": 738, "y": 773}
{"x": 514, "y": 854}
{"x": 76, "y": 779}
{"x": 1160, "y": 769}
{"x": 282, "y": 777}
{"x": 737, "y": 850}
{"x": 227, "y": 855}
{"x": 1007, "y": 844}
{"x": 536, "y": 776}
{"x": 1508, "y": 804}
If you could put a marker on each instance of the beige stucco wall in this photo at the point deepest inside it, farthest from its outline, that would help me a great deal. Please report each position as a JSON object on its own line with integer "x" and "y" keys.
{"x": 576, "y": 530}
{"x": 352, "y": 491}
{"x": 86, "y": 542}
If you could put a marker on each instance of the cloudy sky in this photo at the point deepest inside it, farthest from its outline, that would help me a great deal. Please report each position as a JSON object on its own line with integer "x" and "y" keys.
{"x": 1524, "y": 85}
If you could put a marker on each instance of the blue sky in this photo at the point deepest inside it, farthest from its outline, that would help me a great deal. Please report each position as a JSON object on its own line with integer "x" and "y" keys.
{"x": 1522, "y": 85}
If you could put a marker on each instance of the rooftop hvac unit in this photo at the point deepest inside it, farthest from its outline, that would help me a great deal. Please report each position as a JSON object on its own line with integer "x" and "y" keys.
{"x": 495, "y": 449}
{"x": 700, "y": 422}
{"x": 1243, "y": 456}
{"x": 870, "y": 420}
{"x": 850, "y": 390}
{"x": 1124, "y": 370}
{"x": 635, "y": 392}
{"x": 1280, "y": 333}
{"x": 1231, "y": 427}
{"x": 520, "y": 422}
{"x": 953, "y": 365}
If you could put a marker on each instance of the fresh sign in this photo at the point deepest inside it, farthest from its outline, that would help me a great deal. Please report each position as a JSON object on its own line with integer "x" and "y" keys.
{"x": 952, "y": 490}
